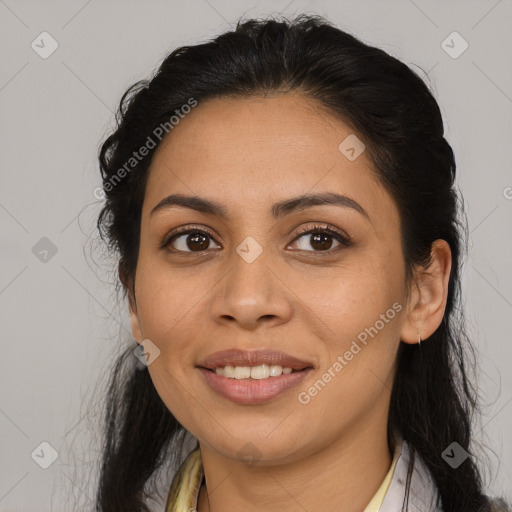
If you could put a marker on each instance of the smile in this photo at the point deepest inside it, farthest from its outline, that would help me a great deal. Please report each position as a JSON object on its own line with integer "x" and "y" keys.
{"x": 241, "y": 387}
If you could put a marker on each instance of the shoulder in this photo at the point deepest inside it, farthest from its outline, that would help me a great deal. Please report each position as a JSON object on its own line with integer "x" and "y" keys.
{"x": 425, "y": 496}
{"x": 498, "y": 505}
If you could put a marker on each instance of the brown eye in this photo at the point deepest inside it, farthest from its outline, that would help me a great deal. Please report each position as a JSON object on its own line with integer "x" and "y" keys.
{"x": 321, "y": 239}
{"x": 188, "y": 240}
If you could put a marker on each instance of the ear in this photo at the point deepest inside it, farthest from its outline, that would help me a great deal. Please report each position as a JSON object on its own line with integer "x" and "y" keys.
{"x": 428, "y": 296}
{"x": 129, "y": 286}
{"x": 134, "y": 320}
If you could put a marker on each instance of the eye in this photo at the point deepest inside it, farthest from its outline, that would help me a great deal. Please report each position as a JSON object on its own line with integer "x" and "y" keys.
{"x": 186, "y": 239}
{"x": 320, "y": 238}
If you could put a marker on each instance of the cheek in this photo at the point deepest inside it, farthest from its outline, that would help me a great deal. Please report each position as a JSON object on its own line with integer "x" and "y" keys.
{"x": 361, "y": 313}
{"x": 354, "y": 296}
{"x": 360, "y": 308}
{"x": 167, "y": 305}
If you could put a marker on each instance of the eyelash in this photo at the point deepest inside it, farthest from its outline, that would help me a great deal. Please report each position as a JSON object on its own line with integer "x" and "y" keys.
{"x": 341, "y": 237}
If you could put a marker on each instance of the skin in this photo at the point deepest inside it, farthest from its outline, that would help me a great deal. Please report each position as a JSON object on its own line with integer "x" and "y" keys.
{"x": 248, "y": 154}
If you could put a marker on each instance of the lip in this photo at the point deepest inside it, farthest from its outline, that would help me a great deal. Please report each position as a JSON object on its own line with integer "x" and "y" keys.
{"x": 253, "y": 391}
{"x": 236, "y": 357}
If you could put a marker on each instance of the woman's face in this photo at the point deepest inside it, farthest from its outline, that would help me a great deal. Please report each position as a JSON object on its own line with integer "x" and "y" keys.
{"x": 251, "y": 282}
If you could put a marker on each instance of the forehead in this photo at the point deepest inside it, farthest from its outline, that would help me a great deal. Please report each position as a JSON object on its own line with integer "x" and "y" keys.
{"x": 260, "y": 150}
{"x": 235, "y": 131}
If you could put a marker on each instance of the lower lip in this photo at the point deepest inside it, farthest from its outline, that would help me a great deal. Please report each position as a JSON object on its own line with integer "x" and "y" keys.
{"x": 253, "y": 391}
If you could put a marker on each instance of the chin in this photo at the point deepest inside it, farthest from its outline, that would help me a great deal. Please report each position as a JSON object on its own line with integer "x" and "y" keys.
{"x": 258, "y": 449}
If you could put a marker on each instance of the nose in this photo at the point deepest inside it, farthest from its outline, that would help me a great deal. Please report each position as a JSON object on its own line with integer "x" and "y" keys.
{"x": 252, "y": 293}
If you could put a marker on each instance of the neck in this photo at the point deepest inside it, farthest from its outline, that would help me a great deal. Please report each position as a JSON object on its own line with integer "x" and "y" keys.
{"x": 346, "y": 473}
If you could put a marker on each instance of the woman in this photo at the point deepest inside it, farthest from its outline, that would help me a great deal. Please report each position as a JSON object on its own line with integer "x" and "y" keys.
{"x": 282, "y": 202}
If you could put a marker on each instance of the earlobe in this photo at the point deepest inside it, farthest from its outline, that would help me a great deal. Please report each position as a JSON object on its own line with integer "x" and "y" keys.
{"x": 429, "y": 295}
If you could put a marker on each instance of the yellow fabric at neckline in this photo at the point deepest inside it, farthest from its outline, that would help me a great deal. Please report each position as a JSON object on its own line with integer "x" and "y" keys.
{"x": 378, "y": 497}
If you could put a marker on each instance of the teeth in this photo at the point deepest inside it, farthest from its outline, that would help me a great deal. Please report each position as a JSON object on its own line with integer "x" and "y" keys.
{"x": 242, "y": 372}
{"x": 263, "y": 371}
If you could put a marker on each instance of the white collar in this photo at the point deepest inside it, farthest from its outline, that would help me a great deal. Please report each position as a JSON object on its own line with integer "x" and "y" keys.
{"x": 422, "y": 491}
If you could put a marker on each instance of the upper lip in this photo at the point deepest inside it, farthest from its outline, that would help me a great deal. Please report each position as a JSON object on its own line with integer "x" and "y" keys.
{"x": 236, "y": 357}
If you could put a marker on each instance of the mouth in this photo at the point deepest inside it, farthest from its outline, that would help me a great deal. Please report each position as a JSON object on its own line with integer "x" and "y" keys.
{"x": 253, "y": 377}
{"x": 252, "y": 391}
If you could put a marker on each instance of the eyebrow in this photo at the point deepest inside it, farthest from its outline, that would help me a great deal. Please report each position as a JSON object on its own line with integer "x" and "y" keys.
{"x": 277, "y": 210}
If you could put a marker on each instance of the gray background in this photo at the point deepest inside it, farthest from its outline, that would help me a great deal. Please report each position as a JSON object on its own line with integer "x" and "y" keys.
{"x": 60, "y": 322}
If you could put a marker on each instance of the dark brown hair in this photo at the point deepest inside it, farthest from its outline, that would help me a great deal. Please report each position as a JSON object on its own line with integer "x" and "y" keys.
{"x": 394, "y": 113}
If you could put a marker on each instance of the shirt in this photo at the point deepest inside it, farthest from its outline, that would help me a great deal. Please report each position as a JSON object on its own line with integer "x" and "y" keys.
{"x": 185, "y": 486}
